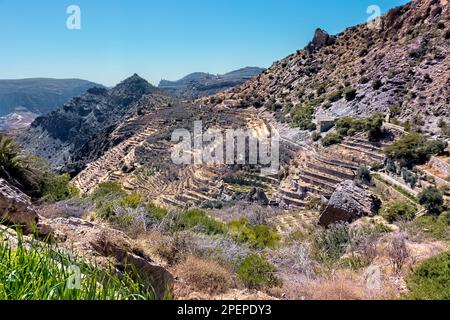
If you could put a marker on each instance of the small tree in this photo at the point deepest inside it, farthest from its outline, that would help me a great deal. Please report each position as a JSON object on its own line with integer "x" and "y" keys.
{"x": 432, "y": 200}
{"x": 256, "y": 272}
{"x": 363, "y": 175}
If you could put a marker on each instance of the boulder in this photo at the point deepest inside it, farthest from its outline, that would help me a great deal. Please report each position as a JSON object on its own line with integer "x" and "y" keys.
{"x": 257, "y": 195}
{"x": 348, "y": 203}
{"x": 16, "y": 208}
{"x": 321, "y": 39}
{"x": 105, "y": 245}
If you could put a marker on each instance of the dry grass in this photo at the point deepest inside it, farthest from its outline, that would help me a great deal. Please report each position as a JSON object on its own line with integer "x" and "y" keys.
{"x": 204, "y": 276}
{"x": 339, "y": 287}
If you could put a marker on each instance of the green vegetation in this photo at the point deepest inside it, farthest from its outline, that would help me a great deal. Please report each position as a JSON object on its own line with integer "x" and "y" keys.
{"x": 256, "y": 272}
{"x": 302, "y": 116}
{"x": 413, "y": 149}
{"x": 430, "y": 280}
{"x": 432, "y": 199}
{"x": 349, "y": 126}
{"x": 9, "y": 156}
{"x": 258, "y": 237}
{"x": 58, "y": 188}
{"x": 363, "y": 175}
{"x": 156, "y": 212}
{"x": 196, "y": 218}
{"x": 331, "y": 139}
{"x": 40, "y": 272}
{"x": 377, "y": 84}
{"x": 330, "y": 244}
{"x": 397, "y": 210}
{"x": 398, "y": 188}
{"x": 437, "y": 228}
{"x": 350, "y": 94}
{"x": 335, "y": 96}
{"x": 132, "y": 201}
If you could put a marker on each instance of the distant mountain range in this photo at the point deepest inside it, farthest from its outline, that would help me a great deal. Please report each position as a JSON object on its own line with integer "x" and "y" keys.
{"x": 201, "y": 84}
{"x": 36, "y": 96}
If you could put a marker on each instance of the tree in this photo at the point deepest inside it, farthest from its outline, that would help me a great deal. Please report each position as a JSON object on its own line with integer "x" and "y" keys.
{"x": 432, "y": 200}
{"x": 363, "y": 175}
{"x": 413, "y": 148}
{"x": 9, "y": 160}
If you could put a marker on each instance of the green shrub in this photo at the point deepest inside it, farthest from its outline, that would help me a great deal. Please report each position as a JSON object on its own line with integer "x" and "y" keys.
{"x": 58, "y": 188}
{"x": 350, "y": 94}
{"x": 331, "y": 139}
{"x": 447, "y": 34}
{"x": 397, "y": 210}
{"x": 335, "y": 96}
{"x": 107, "y": 188}
{"x": 9, "y": 156}
{"x": 430, "y": 280}
{"x": 413, "y": 148}
{"x": 316, "y": 136}
{"x": 330, "y": 244}
{"x": 432, "y": 199}
{"x": 363, "y": 175}
{"x": 259, "y": 236}
{"x": 302, "y": 116}
{"x": 437, "y": 228}
{"x": 132, "y": 201}
{"x": 156, "y": 212}
{"x": 256, "y": 272}
{"x": 196, "y": 218}
{"x": 377, "y": 84}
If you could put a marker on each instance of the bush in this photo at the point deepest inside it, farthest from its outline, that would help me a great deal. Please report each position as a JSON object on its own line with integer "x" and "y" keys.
{"x": 331, "y": 244}
{"x": 335, "y": 96}
{"x": 259, "y": 236}
{"x": 156, "y": 212}
{"x": 205, "y": 276}
{"x": 132, "y": 201}
{"x": 432, "y": 200}
{"x": 302, "y": 116}
{"x": 430, "y": 280}
{"x": 9, "y": 156}
{"x": 398, "y": 210}
{"x": 437, "y": 228}
{"x": 413, "y": 149}
{"x": 331, "y": 139}
{"x": 377, "y": 84}
{"x": 350, "y": 94}
{"x": 363, "y": 175}
{"x": 256, "y": 272}
{"x": 316, "y": 136}
{"x": 107, "y": 188}
{"x": 58, "y": 188}
{"x": 196, "y": 218}
{"x": 447, "y": 34}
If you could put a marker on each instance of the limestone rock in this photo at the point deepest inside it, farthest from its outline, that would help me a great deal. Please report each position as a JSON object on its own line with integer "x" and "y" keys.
{"x": 321, "y": 39}
{"x": 16, "y": 208}
{"x": 348, "y": 203}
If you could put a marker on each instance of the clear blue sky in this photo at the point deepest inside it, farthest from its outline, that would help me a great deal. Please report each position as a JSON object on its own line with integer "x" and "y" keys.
{"x": 162, "y": 38}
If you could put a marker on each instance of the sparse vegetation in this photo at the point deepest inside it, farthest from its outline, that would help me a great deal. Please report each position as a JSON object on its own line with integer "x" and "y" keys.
{"x": 397, "y": 210}
{"x": 302, "y": 116}
{"x": 257, "y": 236}
{"x": 430, "y": 280}
{"x": 256, "y": 272}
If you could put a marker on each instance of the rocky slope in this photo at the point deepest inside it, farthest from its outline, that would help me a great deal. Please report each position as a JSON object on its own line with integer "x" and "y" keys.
{"x": 40, "y": 95}
{"x": 200, "y": 84}
{"x": 79, "y": 131}
{"x": 404, "y": 67}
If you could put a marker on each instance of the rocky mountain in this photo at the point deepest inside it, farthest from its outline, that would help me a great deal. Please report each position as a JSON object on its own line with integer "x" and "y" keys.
{"x": 16, "y": 121}
{"x": 79, "y": 131}
{"x": 39, "y": 95}
{"x": 200, "y": 84}
{"x": 401, "y": 69}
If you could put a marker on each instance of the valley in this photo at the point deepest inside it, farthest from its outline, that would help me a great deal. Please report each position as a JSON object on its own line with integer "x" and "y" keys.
{"x": 359, "y": 208}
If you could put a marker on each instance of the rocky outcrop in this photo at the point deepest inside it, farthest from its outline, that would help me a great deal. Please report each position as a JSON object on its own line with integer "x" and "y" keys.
{"x": 258, "y": 196}
{"x": 321, "y": 39}
{"x": 348, "y": 203}
{"x": 104, "y": 244}
{"x": 16, "y": 208}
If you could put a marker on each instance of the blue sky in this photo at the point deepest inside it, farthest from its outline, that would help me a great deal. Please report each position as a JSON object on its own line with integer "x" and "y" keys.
{"x": 165, "y": 38}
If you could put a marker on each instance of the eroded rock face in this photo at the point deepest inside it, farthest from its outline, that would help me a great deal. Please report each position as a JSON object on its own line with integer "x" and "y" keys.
{"x": 348, "y": 203}
{"x": 16, "y": 208}
{"x": 321, "y": 39}
{"x": 101, "y": 243}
